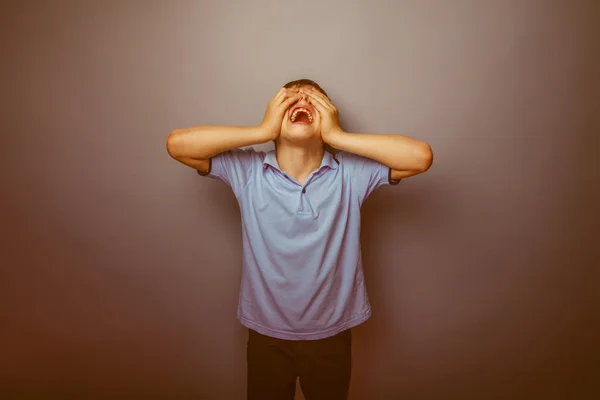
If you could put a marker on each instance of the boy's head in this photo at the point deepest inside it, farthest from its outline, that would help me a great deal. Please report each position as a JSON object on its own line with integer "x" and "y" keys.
{"x": 299, "y": 125}
{"x": 304, "y": 82}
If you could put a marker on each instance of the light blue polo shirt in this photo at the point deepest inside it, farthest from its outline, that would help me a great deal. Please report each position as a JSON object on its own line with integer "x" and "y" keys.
{"x": 302, "y": 275}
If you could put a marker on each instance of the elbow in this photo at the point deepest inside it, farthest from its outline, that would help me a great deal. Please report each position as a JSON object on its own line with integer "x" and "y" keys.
{"x": 172, "y": 144}
{"x": 426, "y": 158}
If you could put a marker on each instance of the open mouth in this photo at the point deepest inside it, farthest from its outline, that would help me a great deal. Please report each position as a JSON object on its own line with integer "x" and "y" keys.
{"x": 301, "y": 116}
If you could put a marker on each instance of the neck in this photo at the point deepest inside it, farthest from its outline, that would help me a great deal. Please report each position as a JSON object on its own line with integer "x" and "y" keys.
{"x": 299, "y": 161}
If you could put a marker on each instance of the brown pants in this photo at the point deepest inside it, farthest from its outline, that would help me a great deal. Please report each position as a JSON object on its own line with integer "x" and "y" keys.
{"x": 323, "y": 367}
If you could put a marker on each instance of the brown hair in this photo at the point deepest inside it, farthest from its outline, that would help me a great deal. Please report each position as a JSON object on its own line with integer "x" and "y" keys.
{"x": 308, "y": 82}
{"x": 305, "y": 82}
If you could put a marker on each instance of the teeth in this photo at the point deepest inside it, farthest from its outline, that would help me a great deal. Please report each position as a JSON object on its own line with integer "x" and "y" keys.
{"x": 310, "y": 118}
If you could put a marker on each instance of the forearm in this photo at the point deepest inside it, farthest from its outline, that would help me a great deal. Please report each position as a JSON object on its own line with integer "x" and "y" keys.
{"x": 398, "y": 152}
{"x": 204, "y": 142}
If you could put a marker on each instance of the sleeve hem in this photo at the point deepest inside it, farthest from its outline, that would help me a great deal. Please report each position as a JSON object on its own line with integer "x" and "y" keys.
{"x": 390, "y": 180}
{"x": 209, "y": 168}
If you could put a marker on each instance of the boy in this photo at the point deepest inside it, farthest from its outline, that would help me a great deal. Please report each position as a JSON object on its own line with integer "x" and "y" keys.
{"x": 302, "y": 286}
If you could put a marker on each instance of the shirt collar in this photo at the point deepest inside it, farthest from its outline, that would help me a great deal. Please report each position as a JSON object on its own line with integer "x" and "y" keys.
{"x": 329, "y": 160}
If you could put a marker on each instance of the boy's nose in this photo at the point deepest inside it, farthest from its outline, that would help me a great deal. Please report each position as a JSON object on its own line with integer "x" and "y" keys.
{"x": 304, "y": 97}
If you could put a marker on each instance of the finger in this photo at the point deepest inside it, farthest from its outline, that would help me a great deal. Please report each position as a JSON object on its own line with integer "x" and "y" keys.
{"x": 290, "y": 94}
{"x": 314, "y": 91}
{"x": 320, "y": 104}
{"x": 321, "y": 110}
{"x": 281, "y": 93}
{"x": 291, "y": 100}
{"x": 286, "y": 93}
{"x": 322, "y": 98}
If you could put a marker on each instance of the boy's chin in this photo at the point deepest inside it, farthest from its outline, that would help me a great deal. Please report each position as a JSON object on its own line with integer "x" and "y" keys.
{"x": 301, "y": 134}
{"x": 300, "y": 127}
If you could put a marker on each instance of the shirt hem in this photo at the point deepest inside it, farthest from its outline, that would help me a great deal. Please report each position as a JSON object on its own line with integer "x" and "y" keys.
{"x": 286, "y": 335}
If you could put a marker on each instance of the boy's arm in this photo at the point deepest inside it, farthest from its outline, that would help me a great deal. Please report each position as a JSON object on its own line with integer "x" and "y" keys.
{"x": 196, "y": 145}
{"x": 405, "y": 156}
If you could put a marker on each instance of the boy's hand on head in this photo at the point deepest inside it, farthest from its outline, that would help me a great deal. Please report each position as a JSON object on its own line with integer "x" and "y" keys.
{"x": 271, "y": 124}
{"x": 330, "y": 121}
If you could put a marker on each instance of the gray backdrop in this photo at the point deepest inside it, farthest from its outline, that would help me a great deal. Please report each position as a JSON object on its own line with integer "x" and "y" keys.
{"x": 121, "y": 267}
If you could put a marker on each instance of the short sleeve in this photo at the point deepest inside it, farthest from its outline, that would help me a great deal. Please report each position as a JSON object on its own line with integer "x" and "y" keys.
{"x": 233, "y": 167}
{"x": 366, "y": 174}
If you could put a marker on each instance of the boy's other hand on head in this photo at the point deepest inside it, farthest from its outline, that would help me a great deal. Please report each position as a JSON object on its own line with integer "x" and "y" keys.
{"x": 271, "y": 124}
{"x": 330, "y": 121}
